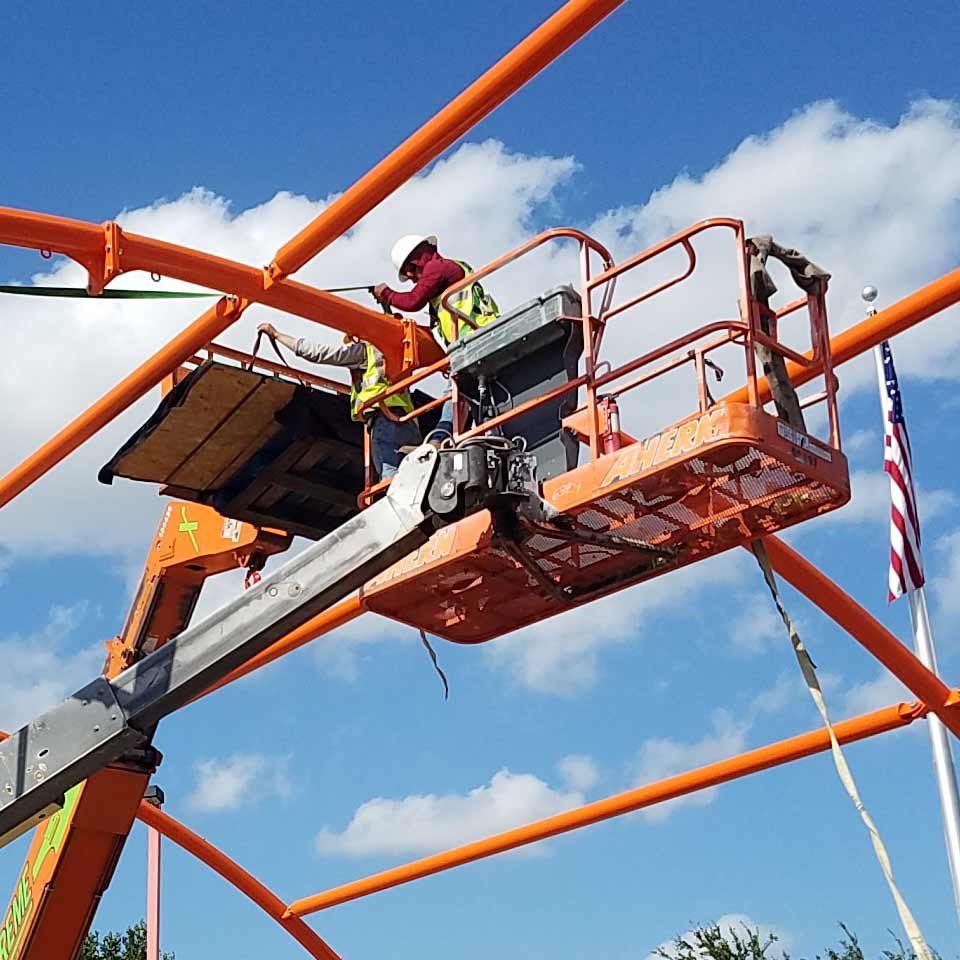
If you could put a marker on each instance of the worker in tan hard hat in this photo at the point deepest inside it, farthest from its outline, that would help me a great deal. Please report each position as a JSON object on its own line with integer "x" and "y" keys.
{"x": 417, "y": 258}
{"x": 389, "y": 438}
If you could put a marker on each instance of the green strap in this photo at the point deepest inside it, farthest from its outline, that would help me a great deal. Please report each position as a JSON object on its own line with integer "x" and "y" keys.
{"x": 106, "y": 295}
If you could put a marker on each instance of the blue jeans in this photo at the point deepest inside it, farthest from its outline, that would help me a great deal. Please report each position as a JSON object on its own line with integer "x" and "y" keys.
{"x": 444, "y": 427}
{"x": 445, "y": 423}
{"x": 386, "y": 438}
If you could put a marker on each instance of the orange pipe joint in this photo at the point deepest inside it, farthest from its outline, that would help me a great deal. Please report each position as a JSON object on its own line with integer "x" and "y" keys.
{"x": 571, "y": 22}
{"x": 776, "y": 754}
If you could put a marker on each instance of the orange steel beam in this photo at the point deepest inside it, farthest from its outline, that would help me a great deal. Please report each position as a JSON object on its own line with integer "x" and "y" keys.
{"x": 869, "y": 632}
{"x": 884, "y": 324}
{"x": 232, "y": 872}
{"x": 107, "y": 251}
{"x": 207, "y": 326}
{"x": 805, "y": 745}
{"x": 84, "y": 242}
{"x": 572, "y": 21}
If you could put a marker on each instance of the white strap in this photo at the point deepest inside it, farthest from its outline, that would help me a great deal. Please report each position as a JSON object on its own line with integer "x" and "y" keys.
{"x": 808, "y": 669}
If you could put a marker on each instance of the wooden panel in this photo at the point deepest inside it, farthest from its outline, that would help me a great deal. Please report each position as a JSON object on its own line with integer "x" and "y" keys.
{"x": 185, "y": 446}
{"x": 239, "y": 434}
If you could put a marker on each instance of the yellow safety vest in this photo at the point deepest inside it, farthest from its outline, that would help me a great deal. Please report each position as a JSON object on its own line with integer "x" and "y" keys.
{"x": 474, "y": 301}
{"x": 373, "y": 382}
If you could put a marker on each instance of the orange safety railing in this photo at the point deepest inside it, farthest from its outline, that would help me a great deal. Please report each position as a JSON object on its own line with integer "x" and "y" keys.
{"x": 251, "y": 362}
{"x": 746, "y": 331}
{"x": 693, "y": 347}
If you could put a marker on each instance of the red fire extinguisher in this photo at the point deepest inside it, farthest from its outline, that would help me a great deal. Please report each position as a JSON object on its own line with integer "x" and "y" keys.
{"x": 610, "y": 439}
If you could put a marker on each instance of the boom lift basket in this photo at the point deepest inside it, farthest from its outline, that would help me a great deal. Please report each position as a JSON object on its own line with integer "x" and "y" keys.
{"x": 720, "y": 478}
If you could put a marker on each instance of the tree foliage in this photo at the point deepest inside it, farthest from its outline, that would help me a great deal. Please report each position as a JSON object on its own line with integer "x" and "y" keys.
{"x": 713, "y": 943}
{"x": 113, "y": 945}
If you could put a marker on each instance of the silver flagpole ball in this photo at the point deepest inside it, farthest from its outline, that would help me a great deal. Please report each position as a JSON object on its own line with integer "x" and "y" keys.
{"x": 869, "y": 293}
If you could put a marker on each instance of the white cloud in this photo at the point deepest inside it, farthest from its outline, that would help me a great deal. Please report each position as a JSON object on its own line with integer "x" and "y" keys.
{"x": 861, "y": 441}
{"x": 342, "y": 653}
{"x": 945, "y": 585}
{"x": 733, "y": 924}
{"x": 238, "y": 780}
{"x": 561, "y": 656}
{"x": 882, "y": 691}
{"x": 425, "y": 823}
{"x": 852, "y": 193}
{"x": 661, "y": 757}
{"x": 788, "y": 687}
{"x": 41, "y": 668}
{"x": 579, "y": 772}
{"x": 867, "y": 190}
{"x": 757, "y": 628}
{"x": 481, "y": 200}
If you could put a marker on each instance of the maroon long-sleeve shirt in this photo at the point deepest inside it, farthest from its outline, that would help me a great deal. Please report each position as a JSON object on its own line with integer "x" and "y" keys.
{"x": 437, "y": 273}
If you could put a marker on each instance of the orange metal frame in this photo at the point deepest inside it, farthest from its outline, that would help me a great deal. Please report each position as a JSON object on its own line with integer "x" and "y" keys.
{"x": 106, "y": 251}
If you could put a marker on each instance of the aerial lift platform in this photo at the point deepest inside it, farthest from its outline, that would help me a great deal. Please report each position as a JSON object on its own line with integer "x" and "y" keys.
{"x": 274, "y": 452}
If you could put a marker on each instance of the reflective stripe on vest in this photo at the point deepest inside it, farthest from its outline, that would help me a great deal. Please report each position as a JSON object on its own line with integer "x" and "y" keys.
{"x": 374, "y": 382}
{"x": 474, "y": 301}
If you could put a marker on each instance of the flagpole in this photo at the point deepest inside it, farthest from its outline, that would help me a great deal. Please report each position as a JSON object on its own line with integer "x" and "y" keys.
{"x": 943, "y": 767}
{"x": 940, "y": 744}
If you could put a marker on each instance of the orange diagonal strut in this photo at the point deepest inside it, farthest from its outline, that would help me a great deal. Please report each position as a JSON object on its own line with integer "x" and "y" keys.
{"x": 235, "y": 874}
{"x": 844, "y": 610}
{"x": 572, "y": 21}
{"x": 816, "y": 741}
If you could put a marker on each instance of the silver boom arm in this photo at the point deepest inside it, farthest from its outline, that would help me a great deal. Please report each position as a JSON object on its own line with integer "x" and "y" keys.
{"x": 106, "y": 719}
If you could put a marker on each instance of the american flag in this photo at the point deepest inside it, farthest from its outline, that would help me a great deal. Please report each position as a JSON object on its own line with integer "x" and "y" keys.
{"x": 906, "y": 565}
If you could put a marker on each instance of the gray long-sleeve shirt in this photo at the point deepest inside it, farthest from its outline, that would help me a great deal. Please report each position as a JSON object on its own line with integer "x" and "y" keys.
{"x": 352, "y": 355}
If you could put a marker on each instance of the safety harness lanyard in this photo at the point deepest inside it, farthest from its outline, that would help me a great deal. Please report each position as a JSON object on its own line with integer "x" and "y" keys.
{"x": 808, "y": 668}
{"x": 436, "y": 664}
{"x": 276, "y": 350}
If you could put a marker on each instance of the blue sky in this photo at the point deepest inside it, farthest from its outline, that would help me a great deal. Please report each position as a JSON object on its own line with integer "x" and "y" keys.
{"x": 641, "y": 129}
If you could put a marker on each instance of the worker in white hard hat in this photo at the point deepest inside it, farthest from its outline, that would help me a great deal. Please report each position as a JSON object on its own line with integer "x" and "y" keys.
{"x": 416, "y": 258}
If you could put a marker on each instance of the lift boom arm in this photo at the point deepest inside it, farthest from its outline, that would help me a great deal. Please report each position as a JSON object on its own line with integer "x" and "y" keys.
{"x": 73, "y": 853}
{"x": 108, "y": 719}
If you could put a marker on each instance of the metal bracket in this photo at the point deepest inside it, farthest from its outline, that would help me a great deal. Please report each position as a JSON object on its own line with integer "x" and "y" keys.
{"x": 109, "y": 266}
{"x": 411, "y": 345}
{"x": 272, "y": 273}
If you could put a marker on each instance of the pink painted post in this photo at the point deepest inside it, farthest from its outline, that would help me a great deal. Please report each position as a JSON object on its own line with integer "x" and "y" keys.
{"x": 153, "y": 796}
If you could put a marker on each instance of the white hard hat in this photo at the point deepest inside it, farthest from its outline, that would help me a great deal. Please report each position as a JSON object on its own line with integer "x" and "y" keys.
{"x": 404, "y": 247}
